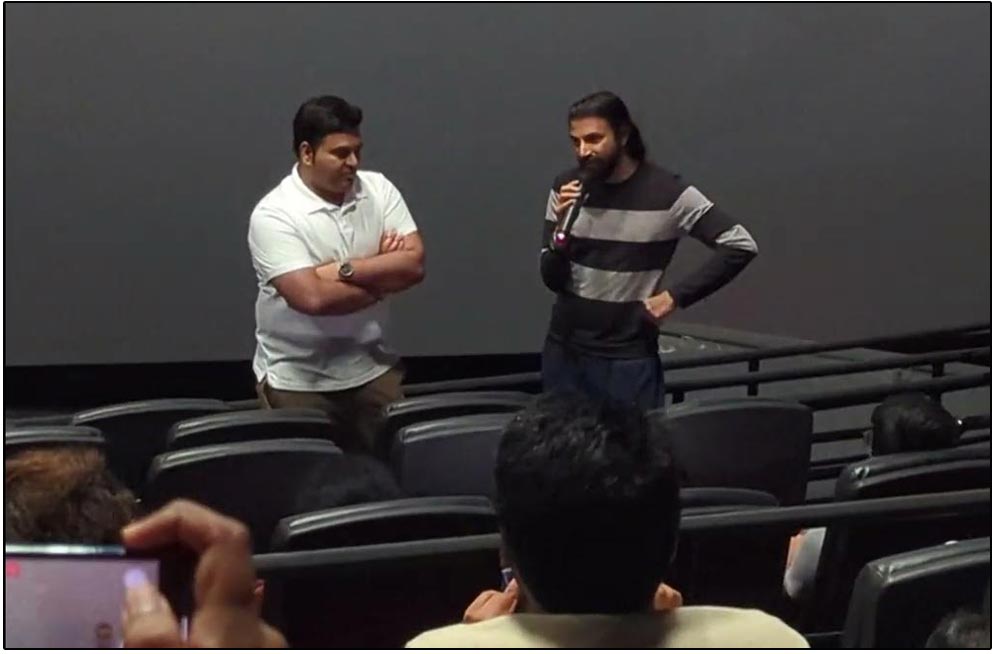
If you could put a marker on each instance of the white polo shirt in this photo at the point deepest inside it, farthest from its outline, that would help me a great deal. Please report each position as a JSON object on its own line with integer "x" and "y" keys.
{"x": 293, "y": 228}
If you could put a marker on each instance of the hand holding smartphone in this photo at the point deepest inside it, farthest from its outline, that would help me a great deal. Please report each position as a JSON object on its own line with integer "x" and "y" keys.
{"x": 69, "y": 596}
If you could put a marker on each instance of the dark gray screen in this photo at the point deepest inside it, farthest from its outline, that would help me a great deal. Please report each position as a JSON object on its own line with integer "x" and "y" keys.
{"x": 851, "y": 139}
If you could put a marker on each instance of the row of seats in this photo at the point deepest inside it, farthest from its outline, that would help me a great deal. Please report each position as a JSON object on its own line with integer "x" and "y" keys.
{"x": 426, "y": 435}
{"x": 136, "y": 432}
{"x": 889, "y": 606}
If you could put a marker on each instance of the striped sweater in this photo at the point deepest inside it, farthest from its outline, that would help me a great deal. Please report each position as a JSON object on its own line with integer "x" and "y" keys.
{"x": 618, "y": 253}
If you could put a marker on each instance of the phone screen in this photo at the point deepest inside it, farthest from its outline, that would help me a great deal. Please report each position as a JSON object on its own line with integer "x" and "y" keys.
{"x": 68, "y": 596}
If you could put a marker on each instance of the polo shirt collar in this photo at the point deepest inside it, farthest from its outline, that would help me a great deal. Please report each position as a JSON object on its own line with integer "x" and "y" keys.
{"x": 311, "y": 202}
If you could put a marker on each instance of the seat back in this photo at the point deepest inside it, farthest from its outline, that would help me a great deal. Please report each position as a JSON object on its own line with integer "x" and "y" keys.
{"x": 255, "y": 425}
{"x": 727, "y": 568}
{"x": 375, "y": 596}
{"x": 453, "y": 456}
{"x": 911, "y": 473}
{"x": 137, "y": 431}
{"x": 419, "y": 518}
{"x": 847, "y": 548}
{"x": 256, "y": 482}
{"x": 750, "y": 443}
{"x": 898, "y": 600}
{"x": 424, "y": 408}
{"x": 19, "y": 439}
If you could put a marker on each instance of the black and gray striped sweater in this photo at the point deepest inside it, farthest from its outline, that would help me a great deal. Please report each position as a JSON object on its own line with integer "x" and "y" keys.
{"x": 617, "y": 255}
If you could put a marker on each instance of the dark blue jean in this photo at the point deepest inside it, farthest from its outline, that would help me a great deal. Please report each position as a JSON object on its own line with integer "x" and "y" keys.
{"x": 630, "y": 381}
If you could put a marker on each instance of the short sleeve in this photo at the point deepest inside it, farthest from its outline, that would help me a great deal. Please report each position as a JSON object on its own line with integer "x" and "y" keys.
{"x": 396, "y": 215}
{"x": 275, "y": 245}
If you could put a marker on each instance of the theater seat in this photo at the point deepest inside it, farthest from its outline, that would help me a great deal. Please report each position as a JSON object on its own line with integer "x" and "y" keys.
{"x": 454, "y": 456}
{"x": 425, "y": 408}
{"x": 19, "y": 439}
{"x": 375, "y": 596}
{"x": 256, "y": 481}
{"x": 846, "y": 549}
{"x": 255, "y": 425}
{"x": 727, "y": 568}
{"x": 419, "y": 518}
{"x": 750, "y": 443}
{"x": 137, "y": 431}
{"x": 898, "y": 600}
{"x": 910, "y": 473}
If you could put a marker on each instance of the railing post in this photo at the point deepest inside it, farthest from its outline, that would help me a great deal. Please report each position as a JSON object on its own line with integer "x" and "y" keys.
{"x": 753, "y": 365}
{"x": 937, "y": 370}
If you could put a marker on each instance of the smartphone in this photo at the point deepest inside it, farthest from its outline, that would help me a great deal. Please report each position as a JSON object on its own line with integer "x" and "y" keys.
{"x": 69, "y": 596}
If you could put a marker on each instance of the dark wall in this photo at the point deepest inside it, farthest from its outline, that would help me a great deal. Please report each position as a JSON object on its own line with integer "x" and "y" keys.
{"x": 851, "y": 139}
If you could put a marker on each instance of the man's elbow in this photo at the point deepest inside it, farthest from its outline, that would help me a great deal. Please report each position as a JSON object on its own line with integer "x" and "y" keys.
{"x": 418, "y": 273}
{"x": 307, "y": 302}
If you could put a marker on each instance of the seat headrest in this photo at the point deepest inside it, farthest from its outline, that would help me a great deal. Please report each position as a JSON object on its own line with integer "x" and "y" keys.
{"x": 451, "y": 426}
{"x": 513, "y": 399}
{"x": 910, "y": 464}
{"x": 249, "y": 417}
{"x": 18, "y": 439}
{"x": 149, "y": 406}
{"x": 248, "y": 448}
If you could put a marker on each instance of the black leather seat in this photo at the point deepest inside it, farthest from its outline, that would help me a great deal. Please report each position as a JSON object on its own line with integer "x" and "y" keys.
{"x": 137, "y": 431}
{"x": 256, "y": 481}
{"x": 847, "y": 549}
{"x": 375, "y": 596}
{"x": 726, "y": 568}
{"x": 19, "y": 439}
{"x": 454, "y": 456}
{"x": 419, "y": 518}
{"x": 259, "y": 424}
{"x": 425, "y": 408}
{"x": 898, "y": 600}
{"x": 750, "y": 443}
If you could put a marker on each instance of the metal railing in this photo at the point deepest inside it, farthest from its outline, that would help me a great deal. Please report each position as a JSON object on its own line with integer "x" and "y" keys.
{"x": 752, "y": 358}
{"x": 678, "y": 388}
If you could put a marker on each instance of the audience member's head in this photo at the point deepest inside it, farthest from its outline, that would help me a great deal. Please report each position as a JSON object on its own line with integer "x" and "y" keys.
{"x": 63, "y": 495}
{"x": 961, "y": 630}
{"x": 345, "y": 480}
{"x": 587, "y": 500}
{"x": 911, "y": 422}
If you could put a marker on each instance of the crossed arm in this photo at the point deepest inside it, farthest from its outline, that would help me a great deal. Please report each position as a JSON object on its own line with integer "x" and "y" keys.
{"x": 321, "y": 291}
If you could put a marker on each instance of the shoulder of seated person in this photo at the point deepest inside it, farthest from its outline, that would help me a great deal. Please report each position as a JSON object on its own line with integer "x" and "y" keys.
{"x": 457, "y": 635}
{"x": 734, "y": 627}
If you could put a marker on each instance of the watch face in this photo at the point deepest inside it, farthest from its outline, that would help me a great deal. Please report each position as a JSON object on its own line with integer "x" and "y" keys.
{"x": 346, "y": 269}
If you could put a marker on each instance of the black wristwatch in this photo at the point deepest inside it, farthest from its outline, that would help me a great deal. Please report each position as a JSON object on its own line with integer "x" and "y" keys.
{"x": 346, "y": 270}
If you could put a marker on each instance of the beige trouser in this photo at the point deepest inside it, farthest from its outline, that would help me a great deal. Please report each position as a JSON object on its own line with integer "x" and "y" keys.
{"x": 356, "y": 413}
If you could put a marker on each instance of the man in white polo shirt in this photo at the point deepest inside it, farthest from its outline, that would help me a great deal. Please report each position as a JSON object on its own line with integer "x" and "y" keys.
{"x": 329, "y": 244}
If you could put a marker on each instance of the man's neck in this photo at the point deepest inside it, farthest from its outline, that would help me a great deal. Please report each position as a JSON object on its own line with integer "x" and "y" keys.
{"x": 625, "y": 168}
{"x": 306, "y": 178}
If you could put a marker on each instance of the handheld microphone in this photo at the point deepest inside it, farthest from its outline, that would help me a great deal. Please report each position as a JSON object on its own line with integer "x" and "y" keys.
{"x": 560, "y": 237}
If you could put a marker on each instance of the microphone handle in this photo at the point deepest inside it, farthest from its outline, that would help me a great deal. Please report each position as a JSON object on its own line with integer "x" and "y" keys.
{"x": 560, "y": 237}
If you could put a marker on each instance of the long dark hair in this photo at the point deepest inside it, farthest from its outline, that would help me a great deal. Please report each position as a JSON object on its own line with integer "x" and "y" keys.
{"x": 607, "y": 105}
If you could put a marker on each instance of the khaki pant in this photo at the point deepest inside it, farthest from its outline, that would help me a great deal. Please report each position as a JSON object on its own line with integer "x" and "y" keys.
{"x": 356, "y": 413}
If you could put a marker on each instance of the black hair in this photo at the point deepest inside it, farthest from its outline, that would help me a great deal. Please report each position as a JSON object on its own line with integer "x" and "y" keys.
{"x": 588, "y": 504}
{"x": 607, "y": 105}
{"x": 912, "y": 422}
{"x": 962, "y": 629}
{"x": 323, "y": 115}
{"x": 345, "y": 480}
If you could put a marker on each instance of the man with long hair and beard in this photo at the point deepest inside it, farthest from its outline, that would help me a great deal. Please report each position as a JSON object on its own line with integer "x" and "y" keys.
{"x": 611, "y": 227}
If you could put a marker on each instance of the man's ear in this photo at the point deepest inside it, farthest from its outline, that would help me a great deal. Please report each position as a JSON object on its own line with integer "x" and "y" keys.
{"x": 306, "y": 153}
